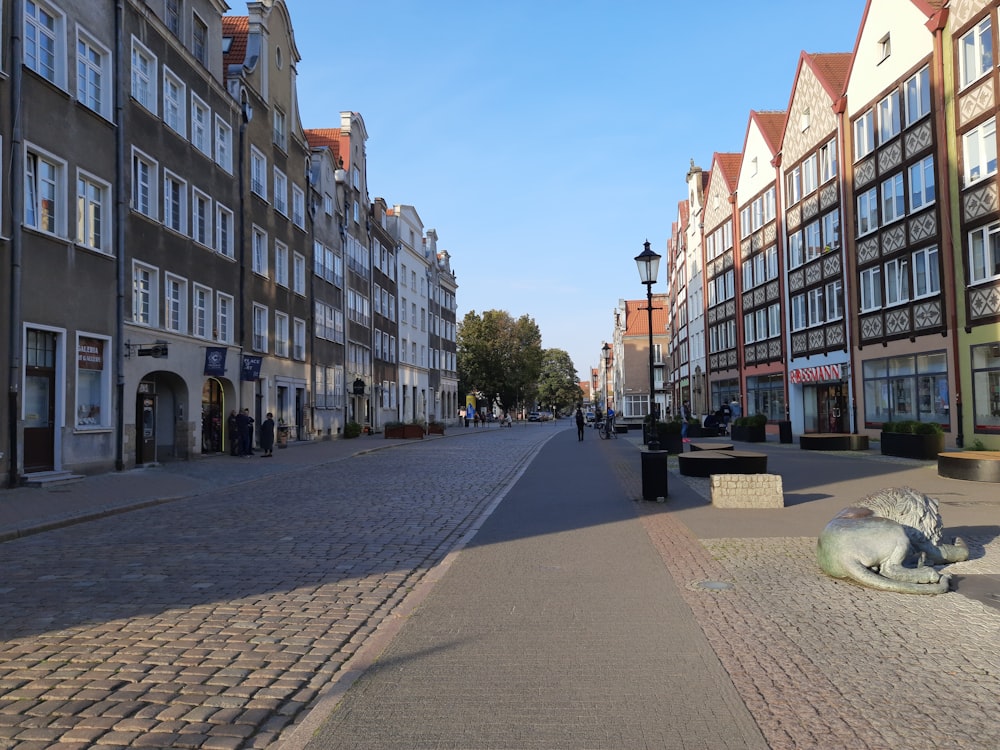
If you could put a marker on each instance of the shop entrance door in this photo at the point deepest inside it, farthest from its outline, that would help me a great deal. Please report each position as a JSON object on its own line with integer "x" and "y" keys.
{"x": 831, "y": 408}
{"x": 39, "y": 401}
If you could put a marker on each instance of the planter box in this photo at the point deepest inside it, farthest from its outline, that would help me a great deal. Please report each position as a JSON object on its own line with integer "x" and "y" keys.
{"x": 923, "y": 447}
{"x": 748, "y": 434}
{"x": 404, "y": 431}
{"x": 435, "y": 429}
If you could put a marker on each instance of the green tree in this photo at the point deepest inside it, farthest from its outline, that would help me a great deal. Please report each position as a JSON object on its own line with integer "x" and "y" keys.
{"x": 499, "y": 357}
{"x": 558, "y": 384}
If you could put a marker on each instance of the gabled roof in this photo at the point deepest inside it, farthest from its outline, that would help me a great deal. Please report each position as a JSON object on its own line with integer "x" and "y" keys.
{"x": 832, "y": 69}
{"x": 729, "y": 167}
{"x": 236, "y": 28}
{"x": 637, "y": 319}
{"x": 771, "y": 126}
{"x": 324, "y": 138}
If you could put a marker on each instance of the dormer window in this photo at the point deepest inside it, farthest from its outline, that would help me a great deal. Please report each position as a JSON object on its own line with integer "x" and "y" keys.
{"x": 884, "y": 48}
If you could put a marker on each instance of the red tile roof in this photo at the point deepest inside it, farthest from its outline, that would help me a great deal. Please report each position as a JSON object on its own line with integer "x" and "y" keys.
{"x": 729, "y": 166}
{"x": 237, "y": 28}
{"x": 324, "y": 137}
{"x": 637, "y": 319}
{"x": 772, "y": 126}
{"x": 832, "y": 69}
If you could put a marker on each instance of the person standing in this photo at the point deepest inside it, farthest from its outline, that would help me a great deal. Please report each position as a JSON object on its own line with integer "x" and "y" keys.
{"x": 233, "y": 433}
{"x": 579, "y": 423}
{"x": 735, "y": 410}
{"x": 267, "y": 436}
{"x": 685, "y": 416}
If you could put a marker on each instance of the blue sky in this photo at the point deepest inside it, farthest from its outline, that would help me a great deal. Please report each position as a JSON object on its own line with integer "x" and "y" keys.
{"x": 546, "y": 140}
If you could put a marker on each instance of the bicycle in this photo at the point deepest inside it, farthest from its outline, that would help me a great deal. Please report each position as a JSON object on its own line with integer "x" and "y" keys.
{"x": 607, "y": 430}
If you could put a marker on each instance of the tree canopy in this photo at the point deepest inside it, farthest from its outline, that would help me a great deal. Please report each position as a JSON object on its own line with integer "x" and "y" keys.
{"x": 499, "y": 357}
{"x": 559, "y": 385}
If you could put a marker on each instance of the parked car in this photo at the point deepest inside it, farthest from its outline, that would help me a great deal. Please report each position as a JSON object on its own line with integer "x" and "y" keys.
{"x": 534, "y": 416}
{"x": 590, "y": 416}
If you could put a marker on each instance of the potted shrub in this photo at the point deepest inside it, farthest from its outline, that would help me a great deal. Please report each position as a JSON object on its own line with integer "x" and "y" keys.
{"x": 393, "y": 430}
{"x": 912, "y": 439}
{"x": 352, "y": 430}
{"x": 669, "y": 435}
{"x": 435, "y": 428}
{"x": 750, "y": 429}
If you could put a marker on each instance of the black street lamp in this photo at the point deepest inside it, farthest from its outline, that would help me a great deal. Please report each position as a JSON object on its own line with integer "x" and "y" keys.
{"x": 605, "y": 361}
{"x": 649, "y": 263}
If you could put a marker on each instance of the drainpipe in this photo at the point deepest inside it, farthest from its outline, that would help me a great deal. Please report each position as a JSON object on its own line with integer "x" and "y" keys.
{"x": 16, "y": 240}
{"x": 121, "y": 212}
{"x": 936, "y": 26}
{"x": 246, "y": 113}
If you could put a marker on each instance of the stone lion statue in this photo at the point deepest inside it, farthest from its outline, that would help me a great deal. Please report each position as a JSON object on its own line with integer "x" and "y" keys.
{"x": 870, "y": 541}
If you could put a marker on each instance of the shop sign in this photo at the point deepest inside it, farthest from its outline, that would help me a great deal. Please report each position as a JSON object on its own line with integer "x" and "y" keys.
{"x": 819, "y": 374}
{"x": 90, "y": 354}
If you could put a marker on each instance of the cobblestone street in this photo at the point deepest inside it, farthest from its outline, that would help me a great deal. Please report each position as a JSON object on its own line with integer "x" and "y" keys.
{"x": 212, "y": 622}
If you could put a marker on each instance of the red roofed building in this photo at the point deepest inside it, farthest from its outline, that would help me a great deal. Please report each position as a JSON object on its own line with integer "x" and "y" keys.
{"x": 629, "y": 359}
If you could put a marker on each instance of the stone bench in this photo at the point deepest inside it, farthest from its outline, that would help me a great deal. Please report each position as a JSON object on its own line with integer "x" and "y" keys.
{"x": 706, "y": 463}
{"x": 833, "y": 441}
{"x": 974, "y": 466}
{"x": 710, "y": 446}
{"x": 746, "y": 491}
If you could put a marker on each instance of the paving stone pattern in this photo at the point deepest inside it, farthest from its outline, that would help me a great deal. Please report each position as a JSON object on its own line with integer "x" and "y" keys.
{"x": 214, "y": 622}
{"x": 822, "y": 663}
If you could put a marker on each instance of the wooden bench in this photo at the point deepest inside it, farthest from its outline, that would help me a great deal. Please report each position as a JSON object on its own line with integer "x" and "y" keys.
{"x": 974, "y": 466}
{"x": 833, "y": 441}
{"x": 704, "y": 463}
{"x": 710, "y": 446}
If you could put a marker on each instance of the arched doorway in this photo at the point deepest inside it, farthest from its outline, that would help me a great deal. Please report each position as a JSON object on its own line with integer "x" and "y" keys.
{"x": 213, "y": 422}
{"x": 162, "y": 425}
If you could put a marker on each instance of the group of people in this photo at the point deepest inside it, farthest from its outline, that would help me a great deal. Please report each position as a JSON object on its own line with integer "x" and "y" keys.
{"x": 720, "y": 419}
{"x": 240, "y": 428}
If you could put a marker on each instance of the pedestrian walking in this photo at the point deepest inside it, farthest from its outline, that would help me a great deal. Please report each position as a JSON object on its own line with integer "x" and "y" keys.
{"x": 267, "y": 436}
{"x": 685, "y": 416}
{"x": 735, "y": 410}
{"x": 580, "y": 423}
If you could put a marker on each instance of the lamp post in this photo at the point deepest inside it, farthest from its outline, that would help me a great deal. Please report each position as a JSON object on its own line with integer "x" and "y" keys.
{"x": 649, "y": 263}
{"x": 605, "y": 357}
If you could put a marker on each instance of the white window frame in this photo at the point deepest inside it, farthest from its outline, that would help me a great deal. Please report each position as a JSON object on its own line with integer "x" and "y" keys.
{"x": 83, "y": 419}
{"x": 144, "y": 87}
{"x": 926, "y": 272}
{"x": 809, "y": 175}
{"x": 893, "y": 199}
{"x": 201, "y": 125}
{"x": 812, "y": 240}
{"x": 175, "y": 303}
{"x": 922, "y": 189}
{"x": 864, "y": 135}
{"x": 281, "y": 264}
{"x": 148, "y": 205}
{"x": 793, "y": 185}
{"x": 917, "y": 95}
{"x": 223, "y": 137}
{"x": 145, "y": 298}
{"x": 201, "y": 217}
{"x": 867, "y": 212}
{"x": 774, "y": 320}
{"x": 299, "y": 274}
{"x": 175, "y": 209}
{"x": 280, "y": 192}
{"x": 897, "y": 281}
{"x": 224, "y": 231}
{"x": 281, "y": 334}
{"x": 889, "y": 121}
{"x": 984, "y": 253}
{"x": 280, "y": 129}
{"x": 816, "y": 305}
{"x": 834, "y": 294}
{"x": 258, "y": 173}
{"x": 979, "y": 152}
{"x": 870, "y": 289}
{"x": 44, "y": 42}
{"x": 85, "y": 209}
{"x": 796, "y": 250}
{"x": 93, "y": 74}
{"x": 973, "y": 64}
{"x": 225, "y": 311}
{"x": 831, "y": 230}
{"x": 174, "y": 102}
{"x": 260, "y": 328}
{"x": 298, "y": 206}
{"x": 259, "y": 251}
{"x": 827, "y": 161}
{"x": 797, "y": 311}
{"x": 201, "y": 311}
{"x": 299, "y": 339}
{"x": 42, "y": 187}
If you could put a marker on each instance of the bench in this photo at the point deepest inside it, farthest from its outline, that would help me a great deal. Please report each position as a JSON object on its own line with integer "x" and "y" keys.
{"x": 974, "y": 466}
{"x": 706, "y": 463}
{"x": 833, "y": 441}
{"x": 746, "y": 491}
{"x": 710, "y": 446}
